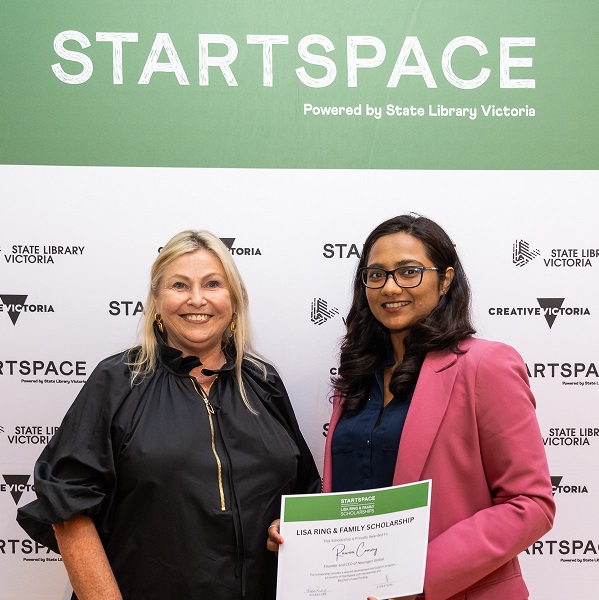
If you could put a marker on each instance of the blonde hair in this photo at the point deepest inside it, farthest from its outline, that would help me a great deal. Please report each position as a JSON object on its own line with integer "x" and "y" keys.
{"x": 144, "y": 362}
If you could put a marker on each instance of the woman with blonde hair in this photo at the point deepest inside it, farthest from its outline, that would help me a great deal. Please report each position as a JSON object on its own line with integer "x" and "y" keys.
{"x": 169, "y": 466}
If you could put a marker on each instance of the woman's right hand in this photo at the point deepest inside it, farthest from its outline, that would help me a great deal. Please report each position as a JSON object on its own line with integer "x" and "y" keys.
{"x": 274, "y": 537}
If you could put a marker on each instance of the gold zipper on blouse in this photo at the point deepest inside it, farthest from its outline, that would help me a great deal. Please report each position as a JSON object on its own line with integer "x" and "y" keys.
{"x": 210, "y": 410}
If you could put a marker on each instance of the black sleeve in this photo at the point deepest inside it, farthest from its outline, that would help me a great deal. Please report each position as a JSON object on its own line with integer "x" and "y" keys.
{"x": 275, "y": 399}
{"x": 75, "y": 473}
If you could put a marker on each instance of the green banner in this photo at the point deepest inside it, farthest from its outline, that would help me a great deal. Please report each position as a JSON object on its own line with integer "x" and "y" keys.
{"x": 389, "y": 85}
{"x": 326, "y": 507}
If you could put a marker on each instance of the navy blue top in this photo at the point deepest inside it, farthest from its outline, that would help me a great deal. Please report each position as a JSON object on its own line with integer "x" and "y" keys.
{"x": 365, "y": 443}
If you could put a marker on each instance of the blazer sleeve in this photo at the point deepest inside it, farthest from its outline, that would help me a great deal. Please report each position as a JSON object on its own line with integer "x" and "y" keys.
{"x": 513, "y": 457}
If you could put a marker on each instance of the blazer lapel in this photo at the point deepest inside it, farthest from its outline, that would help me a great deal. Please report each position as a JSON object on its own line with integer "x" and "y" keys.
{"x": 427, "y": 408}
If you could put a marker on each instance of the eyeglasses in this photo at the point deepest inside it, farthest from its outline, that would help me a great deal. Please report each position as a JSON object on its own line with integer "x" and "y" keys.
{"x": 404, "y": 277}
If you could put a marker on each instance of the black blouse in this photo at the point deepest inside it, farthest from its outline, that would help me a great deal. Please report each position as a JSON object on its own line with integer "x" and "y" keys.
{"x": 365, "y": 442}
{"x": 181, "y": 507}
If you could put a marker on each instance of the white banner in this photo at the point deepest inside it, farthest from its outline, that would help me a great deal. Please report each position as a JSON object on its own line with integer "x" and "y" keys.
{"x": 76, "y": 245}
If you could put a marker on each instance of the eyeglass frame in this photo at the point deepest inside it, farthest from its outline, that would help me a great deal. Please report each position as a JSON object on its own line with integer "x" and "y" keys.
{"x": 391, "y": 273}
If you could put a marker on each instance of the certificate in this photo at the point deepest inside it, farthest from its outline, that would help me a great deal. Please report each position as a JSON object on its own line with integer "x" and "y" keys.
{"x": 351, "y": 545}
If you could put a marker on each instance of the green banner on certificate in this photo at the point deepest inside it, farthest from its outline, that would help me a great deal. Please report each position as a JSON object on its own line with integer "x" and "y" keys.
{"x": 356, "y": 504}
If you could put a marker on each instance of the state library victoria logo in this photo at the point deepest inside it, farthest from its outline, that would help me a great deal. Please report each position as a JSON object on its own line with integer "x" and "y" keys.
{"x": 35, "y": 254}
{"x": 524, "y": 252}
{"x": 571, "y": 436}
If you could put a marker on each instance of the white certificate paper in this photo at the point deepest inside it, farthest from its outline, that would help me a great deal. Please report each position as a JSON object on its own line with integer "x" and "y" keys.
{"x": 351, "y": 545}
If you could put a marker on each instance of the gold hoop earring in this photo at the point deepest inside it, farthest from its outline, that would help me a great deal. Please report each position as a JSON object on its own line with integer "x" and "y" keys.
{"x": 159, "y": 323}
{"x": 233, "y": 323}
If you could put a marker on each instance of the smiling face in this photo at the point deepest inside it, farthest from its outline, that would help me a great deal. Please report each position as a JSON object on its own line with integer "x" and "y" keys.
{"x": 194, "y": 302}
{"x": 396, "y": 308}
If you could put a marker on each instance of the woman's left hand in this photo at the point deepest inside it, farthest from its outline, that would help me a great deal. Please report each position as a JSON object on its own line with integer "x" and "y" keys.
{"x": 274, "y": 537}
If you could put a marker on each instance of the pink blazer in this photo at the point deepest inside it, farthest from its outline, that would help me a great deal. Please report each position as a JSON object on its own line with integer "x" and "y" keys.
{"x": 472, "y": 429}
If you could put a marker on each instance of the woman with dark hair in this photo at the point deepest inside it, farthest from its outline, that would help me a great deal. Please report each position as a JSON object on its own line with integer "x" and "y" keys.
{"x": 440, "y": 326}
{"x": 417, "y": 397}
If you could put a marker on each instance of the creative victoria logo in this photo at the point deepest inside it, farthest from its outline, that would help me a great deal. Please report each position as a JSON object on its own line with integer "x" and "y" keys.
{"x": 558, "y": 488}
{"x": 15, "y": 305}
{"x": 27, "y": 254}
{"x": 236, "y": 250}
{"x": 523, "y": 254}
{"x": 321, "y": 312}
{"x": 239, "y": 250}
{"x": 16, "y": 485}
{"x": 549, "y": 308}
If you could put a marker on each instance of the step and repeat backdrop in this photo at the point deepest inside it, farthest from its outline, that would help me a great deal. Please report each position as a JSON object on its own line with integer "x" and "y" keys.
{"x": 290, "y": 130}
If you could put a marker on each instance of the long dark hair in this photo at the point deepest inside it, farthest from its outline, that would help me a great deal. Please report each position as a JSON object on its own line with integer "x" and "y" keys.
{"x": 365, "y": 345}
